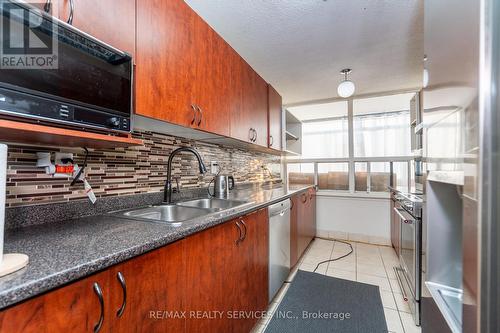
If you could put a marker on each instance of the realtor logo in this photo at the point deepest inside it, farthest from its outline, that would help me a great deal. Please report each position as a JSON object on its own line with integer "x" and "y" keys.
{"x": 28, "y": 40}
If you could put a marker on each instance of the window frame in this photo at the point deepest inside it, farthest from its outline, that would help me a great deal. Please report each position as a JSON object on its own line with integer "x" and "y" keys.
{"x": 351, "y": 160}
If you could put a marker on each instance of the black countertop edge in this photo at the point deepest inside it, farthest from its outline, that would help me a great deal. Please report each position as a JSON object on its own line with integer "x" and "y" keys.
{"x": 40, "y": 276}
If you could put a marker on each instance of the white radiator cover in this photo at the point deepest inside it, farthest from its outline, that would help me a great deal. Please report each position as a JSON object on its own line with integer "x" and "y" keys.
{"x": 354, "y": 218}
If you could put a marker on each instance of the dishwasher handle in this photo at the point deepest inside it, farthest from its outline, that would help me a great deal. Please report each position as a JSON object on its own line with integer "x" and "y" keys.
{"x": 280, "y": 208}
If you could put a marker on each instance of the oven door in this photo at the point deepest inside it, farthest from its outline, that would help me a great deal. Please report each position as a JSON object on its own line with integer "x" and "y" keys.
{"x": 409, "y": 249}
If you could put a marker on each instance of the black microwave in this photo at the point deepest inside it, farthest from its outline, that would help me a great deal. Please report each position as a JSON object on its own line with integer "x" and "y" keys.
{"x": 52, "y": 72}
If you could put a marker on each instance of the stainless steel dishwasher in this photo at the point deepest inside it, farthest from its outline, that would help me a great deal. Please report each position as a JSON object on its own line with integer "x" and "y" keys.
{"x": 279, "y": 245}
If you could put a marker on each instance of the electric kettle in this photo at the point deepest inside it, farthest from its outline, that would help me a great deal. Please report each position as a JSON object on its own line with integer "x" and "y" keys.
{"x": 222, "y": 186}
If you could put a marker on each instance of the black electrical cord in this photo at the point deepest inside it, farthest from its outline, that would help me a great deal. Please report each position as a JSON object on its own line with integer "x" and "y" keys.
{"x": 335, "y": 259}
{"x": 82, "y": 168}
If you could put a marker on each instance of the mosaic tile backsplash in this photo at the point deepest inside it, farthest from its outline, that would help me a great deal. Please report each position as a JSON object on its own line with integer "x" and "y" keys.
{"x": 124, "y": 171}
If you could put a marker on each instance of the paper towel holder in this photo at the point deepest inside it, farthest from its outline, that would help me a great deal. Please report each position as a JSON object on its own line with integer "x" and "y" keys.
{"x": 12, "y": 262}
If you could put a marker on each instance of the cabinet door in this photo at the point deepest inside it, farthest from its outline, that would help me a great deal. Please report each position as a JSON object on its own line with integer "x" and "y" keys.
{"x": 212, "y": 278}
{"x": 111, "y": 21}
{"x": 312, "y": 213}
{"x": 253, "y": 271}
{"x": 252, "y": 115}
{"x": 154, "y": 286}
{"x": 294, "y": 216}
{"x": 274, "y": 118}
{"x": 166, "y": 61}
{"x": 212, "y": 80}
{"x": 303, "y": 238}
{"x": 74, "y": 308}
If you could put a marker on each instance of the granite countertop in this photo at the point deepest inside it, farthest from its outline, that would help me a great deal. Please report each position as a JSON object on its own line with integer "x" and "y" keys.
{"x": 64, "y": 251}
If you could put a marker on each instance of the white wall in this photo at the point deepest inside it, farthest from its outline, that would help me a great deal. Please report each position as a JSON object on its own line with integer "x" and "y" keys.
{"x": 358, "y": 218}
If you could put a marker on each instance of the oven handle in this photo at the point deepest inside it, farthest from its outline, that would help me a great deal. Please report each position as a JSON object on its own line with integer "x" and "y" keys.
{"x": 405, "y": 220}
{"x": 397, "y": 271}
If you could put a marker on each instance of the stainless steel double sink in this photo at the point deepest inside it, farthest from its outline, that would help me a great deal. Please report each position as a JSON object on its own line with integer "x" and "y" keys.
{"x": 175, "y": 214}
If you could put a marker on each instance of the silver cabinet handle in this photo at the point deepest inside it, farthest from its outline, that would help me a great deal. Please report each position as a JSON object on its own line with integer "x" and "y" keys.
{"x": 244, "y": 227}
{"x": 71, "y": 11}
{"x": 121, "y": 279}
{"x": 240, "y": 235}
{"x": 251, "y": 134}
{"x": 201, "y": 115}
{"x": 193, "y": 106}
{"x": 272, "y": 140}
{"x": 98, "y": 292}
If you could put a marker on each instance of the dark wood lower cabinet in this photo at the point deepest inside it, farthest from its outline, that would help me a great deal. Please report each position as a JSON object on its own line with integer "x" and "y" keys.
{"x": 303, "y": 223}
{"x": 213, "y": 281}
{"x": 227, "y": 275}
{"x": 294, "y": 216}
{"x": 74, "y": 308}
{"x": 154, "y": 284}
{"x": 252, "y": 258}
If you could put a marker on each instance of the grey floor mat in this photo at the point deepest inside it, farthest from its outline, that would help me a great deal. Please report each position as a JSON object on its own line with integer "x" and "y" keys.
{"x": 319, "y": 303}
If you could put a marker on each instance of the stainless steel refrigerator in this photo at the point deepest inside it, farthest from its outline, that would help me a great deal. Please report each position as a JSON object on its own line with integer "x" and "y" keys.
{"x": 462, "y": 163}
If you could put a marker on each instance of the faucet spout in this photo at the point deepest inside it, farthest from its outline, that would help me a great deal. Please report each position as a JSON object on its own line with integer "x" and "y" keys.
{"x": 167, "y": 195}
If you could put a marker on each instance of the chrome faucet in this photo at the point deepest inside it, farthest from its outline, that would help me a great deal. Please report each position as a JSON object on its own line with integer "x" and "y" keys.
{"x": 167, "y": 195}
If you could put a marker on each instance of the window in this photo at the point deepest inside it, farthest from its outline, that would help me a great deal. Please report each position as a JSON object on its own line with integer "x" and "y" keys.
{"x": 360, "y": 161}
{"x": 324, "y": 130}
{"x": 327, "y": 138}
{"x": 382, "y": 126}
{"x": 300, "y": 173}
{"x": 333, "y": 176}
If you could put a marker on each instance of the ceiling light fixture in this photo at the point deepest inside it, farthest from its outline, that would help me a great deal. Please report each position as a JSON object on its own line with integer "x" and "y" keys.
{"x": 346, "y": 88}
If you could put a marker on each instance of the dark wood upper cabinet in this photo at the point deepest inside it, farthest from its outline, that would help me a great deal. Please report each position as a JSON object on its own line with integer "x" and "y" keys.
{"x": 249, "y": 122}
{"x": 212, "y": 79}
{"x": 165, "y": 61}
{"x": 153, "y": 282}
{"x": 274, "y": 118}
{"x": 111, "y": 21}
{"x": 186, "y": 74}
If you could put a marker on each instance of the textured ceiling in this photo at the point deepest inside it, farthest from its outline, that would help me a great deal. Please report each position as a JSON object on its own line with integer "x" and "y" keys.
{"x": 299, "y": 46}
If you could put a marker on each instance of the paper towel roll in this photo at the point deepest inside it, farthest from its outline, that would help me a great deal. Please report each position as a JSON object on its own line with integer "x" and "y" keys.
{"x": 3, "y": 190}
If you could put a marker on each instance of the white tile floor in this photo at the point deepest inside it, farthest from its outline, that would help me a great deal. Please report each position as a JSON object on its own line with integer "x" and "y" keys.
{"x": 368, "y": 264}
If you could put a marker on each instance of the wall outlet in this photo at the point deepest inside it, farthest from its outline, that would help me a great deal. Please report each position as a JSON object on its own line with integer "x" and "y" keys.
{"x": 214, "y": 167}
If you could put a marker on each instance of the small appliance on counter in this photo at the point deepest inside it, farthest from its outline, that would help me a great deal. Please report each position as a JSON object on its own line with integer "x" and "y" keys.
{"x": 222, "y": 185}
{"x": 12, "y": 262}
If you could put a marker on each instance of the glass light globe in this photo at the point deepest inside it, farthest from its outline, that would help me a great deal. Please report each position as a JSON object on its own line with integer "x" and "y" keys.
{"x": 346, "y": 88}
